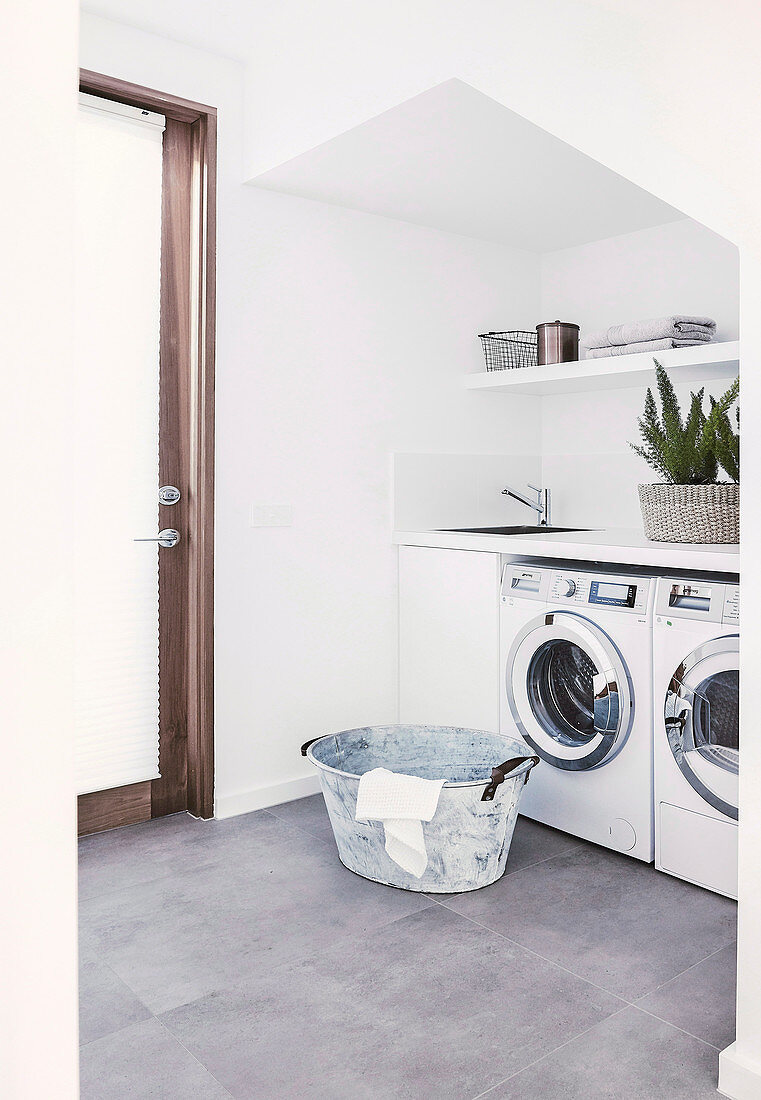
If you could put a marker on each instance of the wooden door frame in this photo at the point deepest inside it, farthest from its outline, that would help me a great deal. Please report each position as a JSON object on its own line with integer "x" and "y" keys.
{"x": 188, "y": 298}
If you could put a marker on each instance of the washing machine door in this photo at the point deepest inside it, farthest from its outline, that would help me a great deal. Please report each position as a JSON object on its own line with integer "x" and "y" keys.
{"x": 701, "y": 715}
{"x": 569, "y": 691}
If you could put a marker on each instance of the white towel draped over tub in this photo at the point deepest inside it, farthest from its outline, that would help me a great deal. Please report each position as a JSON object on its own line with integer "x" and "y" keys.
{"x": 402, "y": 803}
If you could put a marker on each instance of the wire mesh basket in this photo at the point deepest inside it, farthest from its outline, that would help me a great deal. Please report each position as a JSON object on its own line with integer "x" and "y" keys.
{"x": 508, "y": 350}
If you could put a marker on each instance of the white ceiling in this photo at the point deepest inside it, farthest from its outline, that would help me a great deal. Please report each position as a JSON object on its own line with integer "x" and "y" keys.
{"x": 456, "y": 160}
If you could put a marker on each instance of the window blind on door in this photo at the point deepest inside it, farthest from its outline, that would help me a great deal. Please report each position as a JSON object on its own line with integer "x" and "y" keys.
{"x": 117, "y": 285}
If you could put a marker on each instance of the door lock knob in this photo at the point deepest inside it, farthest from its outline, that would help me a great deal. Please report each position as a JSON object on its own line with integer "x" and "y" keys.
{"x": 169, "y": 494}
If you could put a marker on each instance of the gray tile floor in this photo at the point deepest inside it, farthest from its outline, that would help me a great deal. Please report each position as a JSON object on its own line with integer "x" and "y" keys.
{"x": 239, "y": 958}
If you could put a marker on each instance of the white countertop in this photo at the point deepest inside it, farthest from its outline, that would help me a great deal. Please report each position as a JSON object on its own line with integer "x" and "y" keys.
{"x": 617, "y": 545}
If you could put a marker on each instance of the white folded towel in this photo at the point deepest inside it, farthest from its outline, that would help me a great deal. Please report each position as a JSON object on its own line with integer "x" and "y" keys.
{"x": 679, "y": 326}
{"x": 401, "y": 803}
{"x": 643, "y": 345}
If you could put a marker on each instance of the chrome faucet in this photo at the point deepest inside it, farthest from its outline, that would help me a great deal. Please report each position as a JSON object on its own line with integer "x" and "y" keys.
{"x": 540, "y": 505}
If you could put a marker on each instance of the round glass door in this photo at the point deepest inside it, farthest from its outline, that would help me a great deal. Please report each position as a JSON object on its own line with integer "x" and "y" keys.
{"x": 568, "y": 691}
{"x": 701, "y": 715}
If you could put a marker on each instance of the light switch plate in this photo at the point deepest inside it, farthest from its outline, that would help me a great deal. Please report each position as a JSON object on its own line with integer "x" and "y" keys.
{"x": 271, "y": 515}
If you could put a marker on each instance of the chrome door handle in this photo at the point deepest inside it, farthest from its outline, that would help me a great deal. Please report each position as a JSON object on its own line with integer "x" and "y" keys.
{"x": 168, "y": 537}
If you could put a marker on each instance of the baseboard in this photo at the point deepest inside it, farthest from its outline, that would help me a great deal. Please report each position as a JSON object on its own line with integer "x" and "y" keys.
{"x": 230, "y": 805}
{"x": 739, "y": 1078}
{"x": 113, "y": 808}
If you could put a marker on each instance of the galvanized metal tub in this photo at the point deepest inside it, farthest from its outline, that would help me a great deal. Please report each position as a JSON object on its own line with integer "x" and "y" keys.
{"x": 469, "y": 837}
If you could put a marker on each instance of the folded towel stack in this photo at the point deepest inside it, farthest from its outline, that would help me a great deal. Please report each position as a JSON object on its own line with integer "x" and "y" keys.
{"x": 654, "y": 334}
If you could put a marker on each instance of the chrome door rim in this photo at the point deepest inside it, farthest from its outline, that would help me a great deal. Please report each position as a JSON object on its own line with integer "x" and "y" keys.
{"x": 697, "y": 770}
{"x": 559, "y": 625}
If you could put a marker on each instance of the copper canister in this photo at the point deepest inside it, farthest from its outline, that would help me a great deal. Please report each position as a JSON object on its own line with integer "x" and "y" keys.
{"x": 558, "y": 342}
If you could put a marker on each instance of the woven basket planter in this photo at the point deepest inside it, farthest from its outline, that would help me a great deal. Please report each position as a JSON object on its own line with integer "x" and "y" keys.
{"x": 691, "y": 513}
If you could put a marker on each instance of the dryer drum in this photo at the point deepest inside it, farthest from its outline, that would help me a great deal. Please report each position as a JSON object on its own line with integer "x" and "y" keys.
{"x": 716, "y": 715}
{"x": 702, "y": 730}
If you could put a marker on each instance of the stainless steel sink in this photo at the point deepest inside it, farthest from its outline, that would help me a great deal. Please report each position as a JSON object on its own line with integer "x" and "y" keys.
{"x": 513, "y": 530}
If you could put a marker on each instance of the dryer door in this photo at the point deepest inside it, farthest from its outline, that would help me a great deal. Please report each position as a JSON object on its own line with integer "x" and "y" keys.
{"x": 701, "y": 720}
{"x": 568, "y": 691}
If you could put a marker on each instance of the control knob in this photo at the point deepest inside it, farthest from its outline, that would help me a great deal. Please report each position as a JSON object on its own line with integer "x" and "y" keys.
{"x": 568, "y": 585}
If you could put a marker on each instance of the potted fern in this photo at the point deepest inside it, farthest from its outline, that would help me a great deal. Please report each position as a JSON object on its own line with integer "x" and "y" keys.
{"x": 690, "y": 504}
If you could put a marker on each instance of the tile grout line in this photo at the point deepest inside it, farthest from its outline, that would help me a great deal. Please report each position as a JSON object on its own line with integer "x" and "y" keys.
{"x": 676, "y": 1027}
{"x": 307, "y": 832}
{"x": 117, "y": 1031}
{"x": 192, "y": 1055}
{"x": 685, "y": 971}
{"x": 557, "y": 855}
{"x": 586, "y": 1031}
{"x": 627, "y": 1004}
{"x": 509, "y": 874}
{"x": 549, "y": 1053}
{"x": 222, "y": 988}
{"x": 581, "y": 977}
{"x": 119, "y": 978}
{"x": 537, "y": 955}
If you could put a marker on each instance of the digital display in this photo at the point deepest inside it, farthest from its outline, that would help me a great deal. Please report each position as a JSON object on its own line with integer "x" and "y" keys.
{"x": 608, "y": 591}
{"x": 617, "y": 595}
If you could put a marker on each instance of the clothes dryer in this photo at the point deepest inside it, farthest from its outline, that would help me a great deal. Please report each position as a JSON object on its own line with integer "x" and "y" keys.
{"x": 696, "y": 637}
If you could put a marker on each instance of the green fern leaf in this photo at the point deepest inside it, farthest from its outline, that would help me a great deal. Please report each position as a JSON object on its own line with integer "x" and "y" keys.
{"x": 688, "y": 452}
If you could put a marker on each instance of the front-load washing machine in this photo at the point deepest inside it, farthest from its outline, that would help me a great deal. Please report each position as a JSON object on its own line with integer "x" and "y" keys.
{"x": 696, "y": 731}
{"x": 576, "y": 648}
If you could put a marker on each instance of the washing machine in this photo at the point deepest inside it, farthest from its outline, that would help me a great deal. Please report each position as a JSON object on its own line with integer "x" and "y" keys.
{"x": 576, "y": 648}
{"x": 696, "y": 731}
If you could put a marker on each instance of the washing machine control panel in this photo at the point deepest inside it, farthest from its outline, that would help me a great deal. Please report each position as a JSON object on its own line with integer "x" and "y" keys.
{"x": 702, "y": 600}
{"x": 575, "y": 588}
{"x": 604, "y": 590}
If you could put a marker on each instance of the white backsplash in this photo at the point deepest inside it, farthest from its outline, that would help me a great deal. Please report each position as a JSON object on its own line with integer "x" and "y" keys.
{"x": 434, "y": 491}
{"x": 595, "y": 490}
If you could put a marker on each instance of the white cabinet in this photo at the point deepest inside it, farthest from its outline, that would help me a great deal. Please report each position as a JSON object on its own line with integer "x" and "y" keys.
{"x": 449, "y": 637}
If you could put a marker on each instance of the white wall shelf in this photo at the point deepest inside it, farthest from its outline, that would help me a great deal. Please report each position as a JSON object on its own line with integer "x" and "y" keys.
{"x": 699, "y": 364}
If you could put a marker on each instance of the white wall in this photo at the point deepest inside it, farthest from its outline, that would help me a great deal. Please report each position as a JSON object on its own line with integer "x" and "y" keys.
{"x": 342, "y": 338}
{"x": 38, "y": 951}
{"x": 352, "y": 333}
{"x": 681, "y": 267}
